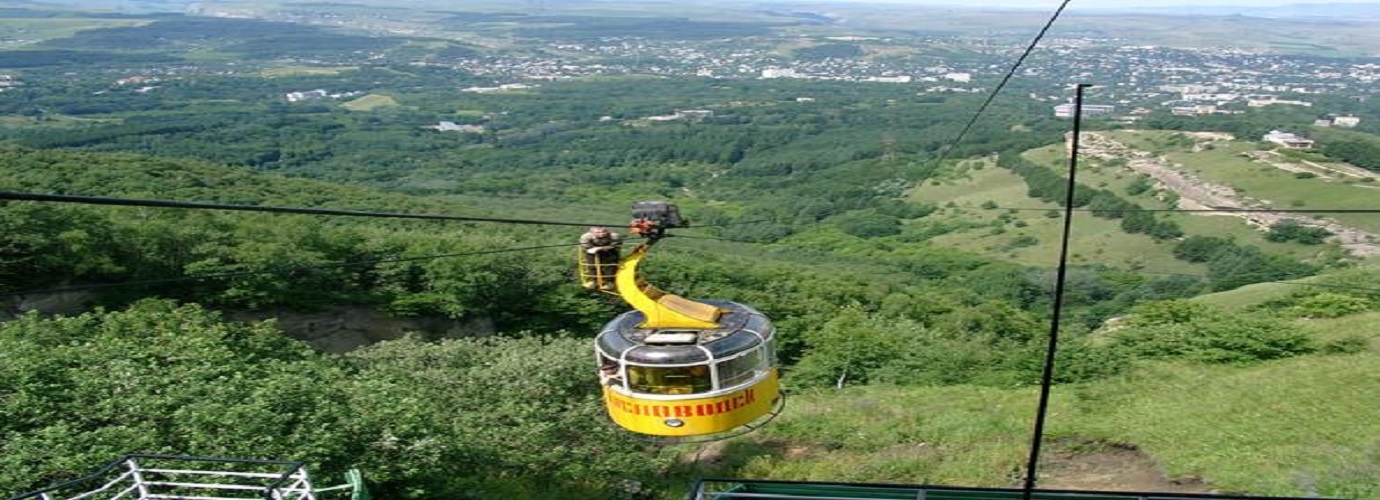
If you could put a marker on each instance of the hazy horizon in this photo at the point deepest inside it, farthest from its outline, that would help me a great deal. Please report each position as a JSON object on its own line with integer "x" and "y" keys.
{"x": 1102, "y": 4}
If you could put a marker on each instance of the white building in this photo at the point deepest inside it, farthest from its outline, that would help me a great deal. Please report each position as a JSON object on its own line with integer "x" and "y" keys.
{"x": 1201, "y": 109}
{"x": 1346, "y": 121}
{"x": 1288, "y": 140}
{"x": 889, "y": 79}
{"x": 1066, "y": 110}
{"x": 307, "y": 96}
{"x": 456, "y": 127}
{"x": 1256, "y": 101}
{"x": 779, "y": 73}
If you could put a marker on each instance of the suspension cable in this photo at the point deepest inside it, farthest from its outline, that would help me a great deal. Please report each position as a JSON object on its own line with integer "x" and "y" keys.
{"x": 135, "y": 202}
{"x": 280, "y": 270}
{"x": 944, "y": 152}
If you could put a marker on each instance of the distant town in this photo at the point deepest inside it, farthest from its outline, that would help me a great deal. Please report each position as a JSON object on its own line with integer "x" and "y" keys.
{"x": 1131, "y": 80}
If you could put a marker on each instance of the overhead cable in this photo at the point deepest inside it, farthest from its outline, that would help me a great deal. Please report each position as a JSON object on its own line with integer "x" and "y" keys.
{"x": 944, "y": 152}
{"x": 1198, "y": 210}
{"x": 279, "y": 270}
{"x": 135, "y": 202}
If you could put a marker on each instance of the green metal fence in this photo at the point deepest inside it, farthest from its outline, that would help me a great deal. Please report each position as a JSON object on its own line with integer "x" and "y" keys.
{"x": 744, "y": 489}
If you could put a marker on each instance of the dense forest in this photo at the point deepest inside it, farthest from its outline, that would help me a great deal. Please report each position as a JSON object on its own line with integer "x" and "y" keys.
{"x": 796, "y": 189}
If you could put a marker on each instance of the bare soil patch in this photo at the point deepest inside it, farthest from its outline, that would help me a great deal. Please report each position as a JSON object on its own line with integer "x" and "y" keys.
{"x": 1197, "y": 194}
{"x": 1100, "y": 466}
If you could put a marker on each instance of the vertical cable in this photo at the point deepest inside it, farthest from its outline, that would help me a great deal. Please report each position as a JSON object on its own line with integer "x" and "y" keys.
{"x": 1046, "y": 378}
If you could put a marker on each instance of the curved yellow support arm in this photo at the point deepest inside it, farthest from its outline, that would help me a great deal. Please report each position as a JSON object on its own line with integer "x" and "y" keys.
{"x": 662, "y": 310}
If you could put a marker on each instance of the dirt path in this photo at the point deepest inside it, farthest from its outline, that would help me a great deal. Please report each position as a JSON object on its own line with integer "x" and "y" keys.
{"x": 1065, "y": 464}
{"x": 1106, "y": 467}
{"x": 1335, "y": 171}
{"x": 1197, "y": 194}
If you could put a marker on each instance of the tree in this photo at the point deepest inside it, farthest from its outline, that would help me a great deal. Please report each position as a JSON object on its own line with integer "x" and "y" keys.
{"x": 1200, "y": 248}
{"x": 1185, "y": 330}
{"x": 1293, "y": 230}
{"x": 39, "y": 242}
{"x": 509, "y": 417}
{"x": 1165, "y": 230}
{"x": 1242, "y": 265}
{"x": 77, "y": 392}
{"x": 869, "y": 224}
{"x": 848, "y": 348}
{"x": 1138, "y": 222}
{"x": 503, "y": 418}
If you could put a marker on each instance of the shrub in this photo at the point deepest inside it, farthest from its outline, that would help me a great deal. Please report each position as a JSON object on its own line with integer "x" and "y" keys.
{"x": 1024, "y": 240}
{"x": 1350, "y": 344}
{"x": 1292, "y": 230}
{"x": 869, "y": 224}
{"x": 1329, "y": 305}
{"x": 1184, "y": 330}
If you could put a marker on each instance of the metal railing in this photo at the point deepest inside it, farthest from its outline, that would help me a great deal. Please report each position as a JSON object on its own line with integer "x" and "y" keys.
{"x": 147, "y": 476}
{"x": 757, "y": 489}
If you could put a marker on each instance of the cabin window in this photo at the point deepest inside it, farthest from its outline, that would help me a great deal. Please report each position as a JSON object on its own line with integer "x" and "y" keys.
{"x": 609, "y": 374}
{"x": 741, "y": 369}
{"x": 669, "y": 379}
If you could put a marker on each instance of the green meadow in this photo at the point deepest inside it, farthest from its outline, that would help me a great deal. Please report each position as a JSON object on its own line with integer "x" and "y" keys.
{"x": 31, "y": 30}
{"x": 1295, "y": 427}
{"x": 370, "y": 102}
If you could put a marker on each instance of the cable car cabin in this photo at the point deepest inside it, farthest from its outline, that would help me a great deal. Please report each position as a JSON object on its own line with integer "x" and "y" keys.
{"x": 689, "y": 381}
{"x": 676, "y": 367}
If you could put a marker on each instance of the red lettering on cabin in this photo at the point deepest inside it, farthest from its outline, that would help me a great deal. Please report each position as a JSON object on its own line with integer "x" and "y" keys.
{"x": 747, "y": 398}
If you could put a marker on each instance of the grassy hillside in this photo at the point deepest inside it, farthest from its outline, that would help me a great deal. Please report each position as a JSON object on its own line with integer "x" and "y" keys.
{"x": 993, "y": 216}
{"x": 986, "y": 210}
{"x": 1227, "y": 163}
{"x": 28, "y": 30}
{"x": 1296, "y": 427}
{"x": 963, "y": 434}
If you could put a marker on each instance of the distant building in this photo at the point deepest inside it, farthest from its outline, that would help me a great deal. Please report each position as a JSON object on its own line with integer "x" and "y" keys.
{"x": 691, "y": 115}
{"x": 1288, "y": 140}
{"x": 500, "y": 88}
{"x": 1188, "y": 88}
{"x": 456, "y": 127}
{"x": 1066, "y": 110}
{"x": 779, "y": 73}
{"x": 137, "y": 79}
{"x": 1332, "y": 120}
{"x": 307, "y": 96}
{"x": 695, "y": 114}
{"x": 1201, "y": 109}
{"x": 890, "y": 79}
{"x": 1346, "y": 121}
{"x": 1218, "y": 97}
{"x": 958, "y": 77}
{"x": 1257, "y": 101}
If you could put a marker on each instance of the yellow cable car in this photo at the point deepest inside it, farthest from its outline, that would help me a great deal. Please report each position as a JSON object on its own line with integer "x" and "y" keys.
{"x": 680, "y": 368}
